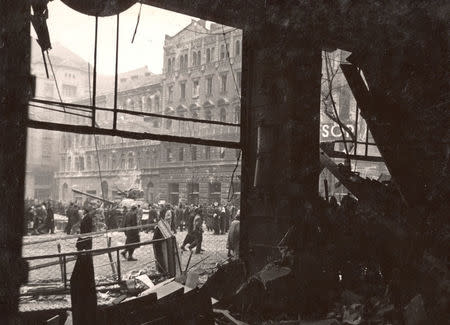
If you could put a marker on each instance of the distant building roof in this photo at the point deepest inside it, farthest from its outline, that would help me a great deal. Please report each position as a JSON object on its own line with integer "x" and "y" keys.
{"x": 59, "y": 55}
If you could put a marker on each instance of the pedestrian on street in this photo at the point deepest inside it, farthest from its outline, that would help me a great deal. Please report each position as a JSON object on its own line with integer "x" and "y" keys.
{"x": 86, "y": 226}
{"x": 50, "y": 220}
{"x": 42, "y": 216}
{"x": 233, "y": 237}
{"x": 132, "y": 235}
{"x": 194, "y": 239}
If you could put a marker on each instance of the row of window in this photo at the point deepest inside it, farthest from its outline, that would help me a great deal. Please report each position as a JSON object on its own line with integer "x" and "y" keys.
{"x": 197, "y": 56}
{"x": 110, "y": 162}
{"x": 193, "y": 192}
{"x": 146, "y": 104}
{"x": 132, "y": 161}
{"x": 194, "y": 153}
{"x": 69, "y": 75}
{"x": 208, "y": 86}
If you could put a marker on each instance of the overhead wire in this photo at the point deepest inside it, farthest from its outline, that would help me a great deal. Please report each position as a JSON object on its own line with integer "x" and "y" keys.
{"x": 137, "y": 23}
{"x": 92, "y": 101}
{"x": 230, "y": 188}
{"x": 56, "y": 110}
{"x": 54, "y": 78}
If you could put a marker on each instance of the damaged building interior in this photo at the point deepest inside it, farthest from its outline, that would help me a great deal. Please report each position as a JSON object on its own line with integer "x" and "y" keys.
{"x": 385, "y": 262}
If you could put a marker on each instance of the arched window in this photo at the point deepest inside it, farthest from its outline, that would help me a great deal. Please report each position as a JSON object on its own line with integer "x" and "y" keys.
{"x": 223, "y": 115}
{"x": 199, "y": 57}
{"x": 130, "y": 104}
{"x": 156, "y": 104}
{"x": 69, "y": 164}
{"x": 104, "y": 162}
{"x": 148, "y": 104}
{"x": 168, "y": 123}
{"x": 194, "y": 59}
{"x": 237, "y": 114}
{"x": 222, "y": 51}
{"x": 208, "y": 55}
{"x": 237, "y": 48}
{"x": 65, "y": 192}
{"x": 114, "y": 161}
{"x": 88, "y": 163}
{"x": 122, "y": 161}
{"x": 208, "y": 115}
{"x": 150, "y": 192}
{"x": 181, "y": 62}
{"x": 138, "y": 160}
{"x": 148, "y": 158}
{"x": 139, "y": 104}
{"x": 186, "y": 61}
{"x": 104, "y": 186}
{"x": 169, "y": 65}
{"x": 131, "y": 161}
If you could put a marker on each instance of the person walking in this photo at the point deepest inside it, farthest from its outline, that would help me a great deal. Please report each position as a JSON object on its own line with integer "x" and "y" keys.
{"x": 132, "y": 235}
{"x": 194, "y": 239}
{"x": 50, "y": 220}
{"x": 233, "y": 237}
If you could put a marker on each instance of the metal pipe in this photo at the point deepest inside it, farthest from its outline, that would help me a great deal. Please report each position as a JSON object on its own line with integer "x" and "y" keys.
{"x": 83, "y": 129}
{"x": 124, "y": 111}
{"x": 94, "y": 82}
{"x": 64, "y": 271}
{"x": 116, "y": 74}
{"x": 119, "y": 271}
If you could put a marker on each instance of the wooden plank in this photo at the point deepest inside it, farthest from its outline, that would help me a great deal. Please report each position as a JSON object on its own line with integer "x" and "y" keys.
{"x": 227, "y": 314}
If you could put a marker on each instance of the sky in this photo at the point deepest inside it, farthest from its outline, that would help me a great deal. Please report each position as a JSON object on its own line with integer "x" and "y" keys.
{"x": 76, "y": 31}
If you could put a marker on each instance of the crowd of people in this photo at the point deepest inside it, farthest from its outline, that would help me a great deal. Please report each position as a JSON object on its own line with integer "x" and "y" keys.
{"x": 41, "y": 217}
{"x": 216, "y": 218}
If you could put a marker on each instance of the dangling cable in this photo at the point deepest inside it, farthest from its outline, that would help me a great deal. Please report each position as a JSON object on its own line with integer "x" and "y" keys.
{"x": 92, "y": 99}
{"x": 56, "y": 82}
{"x": 137, "y": 23}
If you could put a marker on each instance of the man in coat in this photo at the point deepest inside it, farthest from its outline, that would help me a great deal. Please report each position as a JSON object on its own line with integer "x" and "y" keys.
{"x": 233, "y": 237}
{"x": 131, "y": 220}
{"x": 50, "y": 220}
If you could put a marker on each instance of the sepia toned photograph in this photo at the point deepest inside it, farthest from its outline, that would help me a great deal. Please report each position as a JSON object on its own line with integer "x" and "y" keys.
{"x": 224, "y": 162}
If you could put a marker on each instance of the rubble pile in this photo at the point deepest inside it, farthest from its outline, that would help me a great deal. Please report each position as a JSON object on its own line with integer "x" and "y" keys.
{"x": 348, "y": 266}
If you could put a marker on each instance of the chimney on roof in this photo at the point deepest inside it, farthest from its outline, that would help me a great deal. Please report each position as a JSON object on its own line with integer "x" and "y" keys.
{"x": 202, "y": 23}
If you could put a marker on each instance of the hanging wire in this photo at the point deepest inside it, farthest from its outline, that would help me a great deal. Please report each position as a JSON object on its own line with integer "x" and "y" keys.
{"x": 137, "y": 23}
{"x": 57, "y": 110}
{"x": 92, "y": 101}
{"x": 54, "y": 78}
{"x": 229, "y": 62}
{"x": 231, "y": 189}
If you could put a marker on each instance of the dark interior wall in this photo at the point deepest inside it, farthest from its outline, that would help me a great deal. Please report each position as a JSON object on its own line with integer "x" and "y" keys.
{"x": 15, "y": 88}
{"x": 281, "y": 83}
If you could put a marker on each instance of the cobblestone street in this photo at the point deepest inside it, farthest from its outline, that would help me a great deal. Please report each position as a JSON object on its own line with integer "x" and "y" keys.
{"x": 214, "y": 246}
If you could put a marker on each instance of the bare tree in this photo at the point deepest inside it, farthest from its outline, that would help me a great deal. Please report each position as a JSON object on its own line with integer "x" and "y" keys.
{"x": 329, "y": 103}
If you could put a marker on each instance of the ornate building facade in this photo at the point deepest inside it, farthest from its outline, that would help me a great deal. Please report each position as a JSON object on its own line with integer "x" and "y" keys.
{"x": 201, "y": 80}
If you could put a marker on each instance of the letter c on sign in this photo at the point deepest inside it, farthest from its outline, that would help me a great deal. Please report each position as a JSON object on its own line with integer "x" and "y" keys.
{"x": 333, "y": 131}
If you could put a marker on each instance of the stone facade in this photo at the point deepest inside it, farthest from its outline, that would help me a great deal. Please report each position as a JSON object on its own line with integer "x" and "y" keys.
{"x": 199, "y": 81}
{"x": 43, "y": 145}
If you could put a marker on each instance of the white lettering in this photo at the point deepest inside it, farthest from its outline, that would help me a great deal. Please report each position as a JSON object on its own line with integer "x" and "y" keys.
{"x": 333, "y": 131}
{"x": 325, "y": 131}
